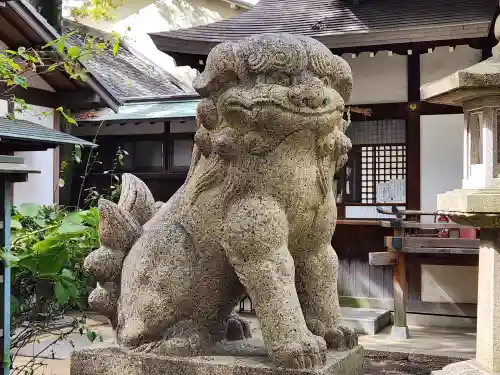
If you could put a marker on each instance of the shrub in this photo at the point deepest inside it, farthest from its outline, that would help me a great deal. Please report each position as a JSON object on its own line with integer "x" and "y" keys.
{"x": 49, "y": 245}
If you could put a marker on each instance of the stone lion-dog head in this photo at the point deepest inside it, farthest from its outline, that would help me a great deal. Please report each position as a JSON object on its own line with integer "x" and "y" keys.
{"x": 264, "y": 88}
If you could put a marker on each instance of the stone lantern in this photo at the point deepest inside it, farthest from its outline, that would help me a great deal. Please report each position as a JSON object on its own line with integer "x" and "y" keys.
{"x": 477, "y": 90}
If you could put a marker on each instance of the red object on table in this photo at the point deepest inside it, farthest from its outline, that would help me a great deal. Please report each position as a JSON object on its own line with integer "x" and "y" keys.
{"x": 468, "y": 233}
{"x": 443, "y": 233}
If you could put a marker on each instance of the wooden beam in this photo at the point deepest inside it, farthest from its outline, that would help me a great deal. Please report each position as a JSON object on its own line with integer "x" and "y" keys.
{"x": 439, "y": 109}
{"x": 30, "y": 95}
{"x": 386, "y": 258}
{"x": 417, "y": 225}
{"x": 440, "y": 250}
{"x": 85, "y": 98}
{"x": 413, "y": 134}
{"x": 414, "y": 306}
{"x": 440, "y": 242}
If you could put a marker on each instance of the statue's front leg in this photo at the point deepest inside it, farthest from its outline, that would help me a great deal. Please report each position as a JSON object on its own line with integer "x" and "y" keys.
{"x": 255, "y": 237}
{"x": 317, "y": 274}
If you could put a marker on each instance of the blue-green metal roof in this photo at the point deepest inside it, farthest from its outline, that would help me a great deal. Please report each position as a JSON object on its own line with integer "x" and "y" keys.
{"x": 26, "y": 131}
{"x": 152, "y": 111}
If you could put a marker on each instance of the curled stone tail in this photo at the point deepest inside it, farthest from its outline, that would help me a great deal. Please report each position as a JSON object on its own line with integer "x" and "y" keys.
{"x": 119, "y": 228}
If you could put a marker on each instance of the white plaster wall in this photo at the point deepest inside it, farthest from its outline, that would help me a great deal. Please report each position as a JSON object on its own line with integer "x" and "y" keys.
{"x": 441, "y": 62}
{"x": 378, "y": 79}
{"x": 441, "y": 161}
{"x": 449, "y": 284}
{"x": 367, "y": 212}
{"x": 183, "y": 126}
{"x": 4, "y": 108}
{"x": 34, "y": 81}
{"x": 40, "y": 187}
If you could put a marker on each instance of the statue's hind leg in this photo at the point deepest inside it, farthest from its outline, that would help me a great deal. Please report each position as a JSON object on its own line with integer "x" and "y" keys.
{"x": 175, "y": 299}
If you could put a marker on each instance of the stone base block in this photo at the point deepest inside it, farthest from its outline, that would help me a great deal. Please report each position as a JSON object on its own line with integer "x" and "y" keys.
{"x": 400, "y": 333}
{"x": 464, "y": 368}
{"x": 241, "y": 358}
{"x": 475, "y": 207}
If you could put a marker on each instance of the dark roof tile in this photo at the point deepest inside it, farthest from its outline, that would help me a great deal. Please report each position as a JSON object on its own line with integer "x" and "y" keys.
{"x": 128, "y": 75}
{"x": 342, "y": 23}
{"x": 27, "y": 131}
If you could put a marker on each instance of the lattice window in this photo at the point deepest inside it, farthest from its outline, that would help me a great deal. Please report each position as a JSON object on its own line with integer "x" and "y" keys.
{"x": 377, "y": 165}
{"x": 380, "y": 163}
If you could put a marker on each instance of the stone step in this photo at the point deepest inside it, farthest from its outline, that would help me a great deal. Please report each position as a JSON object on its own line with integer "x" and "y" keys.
{"x": 367, "y": 321}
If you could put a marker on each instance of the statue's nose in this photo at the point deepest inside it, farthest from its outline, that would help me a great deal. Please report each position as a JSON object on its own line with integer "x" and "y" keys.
{"x": 309, "y": 94}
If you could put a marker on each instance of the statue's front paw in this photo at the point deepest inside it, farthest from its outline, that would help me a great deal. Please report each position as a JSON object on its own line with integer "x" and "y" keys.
{"x": 337, "y": 336}
{"x": 308, "y": 352}
{"x": 237, "y": 328}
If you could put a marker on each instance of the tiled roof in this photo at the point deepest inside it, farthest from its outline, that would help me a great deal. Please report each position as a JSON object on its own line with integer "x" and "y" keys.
{"x": 342, "y": 24}
{"x": 27, "y": 131}
{"x": 21, "y": 24}
{"x": 176, "y": 109}
{"x": 128, "y": 75}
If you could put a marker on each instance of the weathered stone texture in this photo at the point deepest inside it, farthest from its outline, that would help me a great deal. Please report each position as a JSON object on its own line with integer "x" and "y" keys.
{"x": 256, "y": 214}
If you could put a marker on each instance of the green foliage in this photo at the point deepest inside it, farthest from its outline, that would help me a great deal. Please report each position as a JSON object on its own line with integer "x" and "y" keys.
{"x": 48, "y": 248}
{"x": 49, "y": 245}
{"x": 18, "y": 67}
{"x": 97, "y": 9}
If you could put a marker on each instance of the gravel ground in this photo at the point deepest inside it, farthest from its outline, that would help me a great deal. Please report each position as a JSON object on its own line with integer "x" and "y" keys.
{"x": 383, "y": 363}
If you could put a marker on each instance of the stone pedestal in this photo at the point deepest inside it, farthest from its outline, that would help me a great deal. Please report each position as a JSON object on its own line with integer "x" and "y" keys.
{"x": 480, "y": 208}
{"x": 464, "y": 368}
{"x": 242, "y": 358}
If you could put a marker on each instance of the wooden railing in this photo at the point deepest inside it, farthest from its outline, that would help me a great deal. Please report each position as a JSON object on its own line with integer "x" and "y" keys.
{"x": 409, "y": 238}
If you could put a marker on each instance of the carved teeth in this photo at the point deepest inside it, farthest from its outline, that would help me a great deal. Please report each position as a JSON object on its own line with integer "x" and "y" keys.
{"x": 136, "y": 198}
{"x": 118, "y": 229}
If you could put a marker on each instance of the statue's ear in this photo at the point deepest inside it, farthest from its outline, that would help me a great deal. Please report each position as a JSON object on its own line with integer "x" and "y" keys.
{"x": 220, "y": 70}
{"x": 343, "y": 78}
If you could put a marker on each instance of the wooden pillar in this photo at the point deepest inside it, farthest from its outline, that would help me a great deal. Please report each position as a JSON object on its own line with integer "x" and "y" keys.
{"x": 400, "y": 328}
{"x": 413, "y": 134}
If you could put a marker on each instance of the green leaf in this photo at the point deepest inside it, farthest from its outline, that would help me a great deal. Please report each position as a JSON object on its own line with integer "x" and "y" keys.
{"x": 51, "y": 68}
{"x": 21, "y": 81}
{"x": 10, "y": 52}
{"x": 60, "y": 45}
{"x": 61, "y": 183}
{"x": 77, "y": 153}
{"x": 62, "y": 295}
{"x": 91, "y": 335}
{"x": 74, "y": 52}
{"x": 40, "y": 222}
{"x": 5, "y": 256}
{"x": 68, "y": 119}
{"x": 68, "y": 274}
{"x": 51, "y": 43}
{"x": 116, "y": 48}
{"x": 67, "y": 228}
{"x": 29, "y": 209}
{"x": 15, "y": 224}
{"x": 45, "y": 245}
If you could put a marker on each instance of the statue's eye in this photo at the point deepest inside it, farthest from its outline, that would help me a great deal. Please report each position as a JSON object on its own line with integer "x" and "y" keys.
{"x": 279, "y": 79}
{"x": 326, "y": 81}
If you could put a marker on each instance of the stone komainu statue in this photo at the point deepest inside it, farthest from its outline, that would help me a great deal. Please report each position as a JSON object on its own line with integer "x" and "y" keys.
{"x": 256, "y": 214}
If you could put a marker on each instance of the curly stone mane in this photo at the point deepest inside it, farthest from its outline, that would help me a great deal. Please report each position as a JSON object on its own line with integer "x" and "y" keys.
{"x": 227, "y": 150}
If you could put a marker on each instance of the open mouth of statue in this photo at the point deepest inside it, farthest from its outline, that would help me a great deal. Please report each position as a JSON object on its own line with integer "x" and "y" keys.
{"x": 286, "y": 106}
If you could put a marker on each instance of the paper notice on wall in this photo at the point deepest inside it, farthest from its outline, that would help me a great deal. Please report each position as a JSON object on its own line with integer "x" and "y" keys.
{"x": 392, "y": 191}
